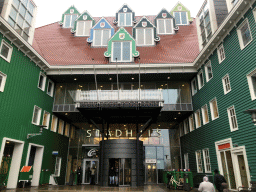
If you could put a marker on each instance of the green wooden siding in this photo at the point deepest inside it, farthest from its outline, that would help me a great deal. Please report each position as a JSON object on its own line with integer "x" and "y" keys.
{"x": 238, "y": 63}
{"x": 16, "y": 108}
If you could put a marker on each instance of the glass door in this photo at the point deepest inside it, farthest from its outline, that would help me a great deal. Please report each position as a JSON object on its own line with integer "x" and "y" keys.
{"x": 90, "y": 168}
{"x": 125, "y": 172}
{"x": 151, "y": 173}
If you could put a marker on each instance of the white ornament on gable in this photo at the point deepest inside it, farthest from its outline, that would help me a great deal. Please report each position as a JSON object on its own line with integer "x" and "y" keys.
{"x": 179, "y": 8}
{"x": 144, "y": 24}
{"x": 124, "y": 9}
{"x": 121, "y": 35}
{"x": 72, "y": 11}
{"x": 84, "y": 17}
{"x": 164, "y": 15}
{"x": 102, "y": 24}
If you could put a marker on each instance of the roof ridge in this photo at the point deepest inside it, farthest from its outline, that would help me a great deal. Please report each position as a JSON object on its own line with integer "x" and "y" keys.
{"x": 47, "y": 25}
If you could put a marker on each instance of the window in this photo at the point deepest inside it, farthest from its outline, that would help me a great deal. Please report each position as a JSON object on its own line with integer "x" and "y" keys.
{"x": 73, "y": 132}
{"x": 208, "y": 71}
{"x": 194, "y": 87}
{"x": 54, "y": 123}
{"x": 36, "y": 115}
{"x": 186, "y": 161}
{"x": 124, "y": 19}
{"x": 69, "y": 21}
{"x": 251, "y": 78}
{"x": 83, "y": 28}
{"x": 181, "y": 129}
{"x": 101, "y": 37}
{"x": 200, "y": 79}
{"x": 232, "y": 118}
{"x": 214, "y": 109}
{"x": 221, "y": 53}
{"x": 198, "y": 119}
{"x": 244, "y": 34}
{"x": 41, "y": 81}
{"x": 205, "y": 24}
{"x": 50, "y": 88}
{"x": 61, "y": 127}
{"x": 199, "y": 161}
{"x": 2, "y": 81}
{"x": 6, "y": 51}
{"x": 165, "y": 26}
{"x": 226, "y": 84}
{"x": 144, "y": 36}
{"x": 234, "y": 2}
{"x": 46, "y": 119}
{"x": 207, "y": 164}
{"x": 191, "y": 123}
{"x": 57, "y": 166}
{"x": 186, "y": 126}
{"x": 181, "y": 18}
{"x": 205, "y": 114}
{"x": 67, "y": 129}
{"x": 121, "y": 51}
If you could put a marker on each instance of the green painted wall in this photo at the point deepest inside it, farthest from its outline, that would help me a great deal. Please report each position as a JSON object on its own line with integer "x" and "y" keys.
{"x": 238, "y": 63}
{"x": 16, "y": 108}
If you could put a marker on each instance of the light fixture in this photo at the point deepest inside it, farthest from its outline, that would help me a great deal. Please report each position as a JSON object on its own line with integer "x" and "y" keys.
{"x": 101, "y": 86}
{"x": 165, "y": 84}
{"x": 159, "y": 125}
{"x": 252, "y": 112}
{"x": 179, "y": 113}
{"x": 175, "y": 118}
{"x": 8, "y": 142}
{"x": 183, "y": 85}
{"x": 132, "y": 78}
{"x": 61, "y": 86}
{"x": 66, "y": 113}
{"x": 75, "y": 79}
{"x": 168, "y": 77}
{"x": 110, "y": 78}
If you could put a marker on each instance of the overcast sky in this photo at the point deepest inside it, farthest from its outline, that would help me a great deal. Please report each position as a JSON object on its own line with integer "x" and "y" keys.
{"x": 50, "y": 11}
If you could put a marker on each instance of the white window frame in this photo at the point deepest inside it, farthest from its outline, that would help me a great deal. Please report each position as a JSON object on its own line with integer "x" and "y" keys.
{"x": 124, "y": 20}
{"x": 221, "y": 53}
{"x": 232, "y": 117}
{"x": 199, "y": 162}
{"x": 191, "y": 124}
{"x": 44, "y": 81}
{"x": 2, "y": 85}
{"x": 52, "y": 89}
{"x": 165, "y": 27}
{"x": 144, "y": 31}
{"x": 84, "y": 35}
{"x": 203, "y": 109}
{"x": 38, "y": 115}
{"x": 193, "y": 88}
{"x": 9, "y": 56}
{"x": 70, "y": 20}
{"x": 212, "y": 110}
{"x": 242, "y": 46}
{"x": 224, "y": 84}
{"x": 198, "y": 79}
{"x": 206, "y": 160}
{"x": 57, "y": 166}
{"x": 67, "y": 129}
{"x": 180, "y": 17}
{"x": 186, "y": 161}
{"x": 113, "y": 59}
{"x": 55, "y": 120}
{"x": 186, "y": 126}
{"x": 101, "y": 45}
{"x": 61, "y": 126}
{"x": 206, "y": 71}
{"x": 254, "y": 13}
{"x": 197, "y": 118}
{"x": 48, "y": 119}
{"x": 250, "y": 84}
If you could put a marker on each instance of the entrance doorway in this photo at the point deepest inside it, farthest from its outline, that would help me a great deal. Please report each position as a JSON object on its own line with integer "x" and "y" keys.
{"x": 151, "y": 176}
{"x": 90, "y": 166}
{"x": 34, "y": 159}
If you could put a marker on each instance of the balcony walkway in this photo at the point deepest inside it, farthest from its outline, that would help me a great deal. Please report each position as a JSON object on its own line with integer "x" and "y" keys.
{"x": 147, "y": 188}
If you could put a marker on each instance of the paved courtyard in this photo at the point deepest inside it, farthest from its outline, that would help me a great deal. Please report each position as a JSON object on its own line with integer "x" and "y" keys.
{"x": 153, "y": 188}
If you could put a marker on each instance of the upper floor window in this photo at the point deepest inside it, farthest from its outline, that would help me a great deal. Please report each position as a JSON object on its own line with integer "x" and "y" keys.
{"x": 199, "y": 161}
{"x": 214, "y": 109}
{"x": 2, "y": 81}
{"x": 200, "y": 79}
{"x": 198, "y": 119}
{"x": 226, "y": 84}
{"x": 57, "y": 166}
{"x": 221, "y": 53}
{"x": 207, "y": 163}
{"x": 36, "y": 115}
{"x": 121, "y": 51}
{"x": 6, "y": 51}
{"x": 194, "y": 87}
{"x": 181, "y": 129}
{"x": 186, "y": 126}
{"x": 165, "y": 26}
{"x": 181, "y": 18}
{"x": 205, "y": 114}
{"x": 83, "y": 28}
{"x": 145, "y": 36}
{"x": 54, "y": 123}
{"x": 244, "y": 34}
{"x": 191, "y": 123}
{"x": 208, "y": 71}
{"x": 101, "y": 37}
{"x": 67, "y": 129}
{"x": 50, "y": 88}
{"x": 46, "y": 119}
{"x": 251, "y": 78}
{"x": 186, "y": 161}
{"x": 124, "y": 19}
{"x": 41, "y": 81}
{"x": 69, "y": 20}
{"x": 232, "y": 118}
{"x": 61, "y": 127}
{"x": 234, "y": 2}
{"x": 205, "y": 24}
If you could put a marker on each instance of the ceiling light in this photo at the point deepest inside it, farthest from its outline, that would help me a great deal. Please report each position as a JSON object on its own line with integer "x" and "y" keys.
{"x": 101, "y": 86}
{"x": 132, "y": 78}
{"x": 162, "y": 85}
{"x": 7, "y": 142}
{"x": 75, "y": 79}
{"x": 66, "y": 113}
{"x": 179, "y": 113}
{"x": 165, "y": 84}
{"x": 61, "y": 86}
{"x": 183, "y": 85}
{"x": 168, "y": 77}
{"x": 159, "y": 125}
{"x": 175, "y": 118}
{"x": 125, "y": 125}
{"x": 110, "y": 78}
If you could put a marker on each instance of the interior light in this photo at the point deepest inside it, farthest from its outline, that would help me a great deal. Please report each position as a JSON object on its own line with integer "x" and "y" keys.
{"x": 159, "y": 125}
{"x": 183, "y": 85}
{"x": 110, "y": 78}
{"x": 7, "y": 142}
{"x": 179, "y": 113}
{"x": 168, "y": 77}
{"x": 132, "y": 78}
{"x": 61, "y": 86}
{"x": 66, "y": 113}
{"x": 165, "y": 84}
{"x": 75, "y": 79}
{"x": 101, "y": 86}
{"x": 175, "y": 118}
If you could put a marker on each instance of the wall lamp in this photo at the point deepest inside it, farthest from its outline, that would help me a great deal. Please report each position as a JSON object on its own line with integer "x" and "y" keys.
{"x": 252, "y": 112}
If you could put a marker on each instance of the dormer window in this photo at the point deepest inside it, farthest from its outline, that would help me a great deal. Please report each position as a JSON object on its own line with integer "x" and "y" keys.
{"x": 122, "y": 51}
{"x": 101, "y": 37}
{"x": 124, "y": 19}
{"x": 165, "y": 26}
{"x": 181, "y": 18}
{"x": 144, "y": 36}
{"x": 69, "y": 20}
{"x": 83, "y": 28}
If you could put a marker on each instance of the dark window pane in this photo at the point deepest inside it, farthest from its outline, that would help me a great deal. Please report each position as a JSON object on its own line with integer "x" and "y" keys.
{"x": 4, "y": 51}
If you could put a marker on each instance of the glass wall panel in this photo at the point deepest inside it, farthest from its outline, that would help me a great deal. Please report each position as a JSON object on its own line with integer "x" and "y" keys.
{"x": 150, "y": 152}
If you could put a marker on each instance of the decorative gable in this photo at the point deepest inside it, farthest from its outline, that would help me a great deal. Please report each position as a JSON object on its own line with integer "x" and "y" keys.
{"x": 83, "y": 24}
{"x": 181, "y": 14}
{"x": 101, "y": 33}
{"x": 69, "y": 17}
{"x": 121, "y": 47}
{"x": 165, "y": 23}
{"x": 125, "y": 16}
{"x": 145, "y": 32}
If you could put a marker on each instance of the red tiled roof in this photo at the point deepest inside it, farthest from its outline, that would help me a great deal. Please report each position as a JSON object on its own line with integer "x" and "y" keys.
{"x": 59, "y": 46}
